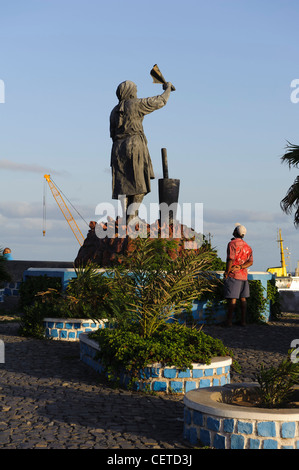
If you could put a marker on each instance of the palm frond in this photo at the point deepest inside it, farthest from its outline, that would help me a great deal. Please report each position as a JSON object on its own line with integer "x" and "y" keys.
{"x": 291, "y": 198}
{"x": 291, "y": 201}
{"x": 291, "y": 157}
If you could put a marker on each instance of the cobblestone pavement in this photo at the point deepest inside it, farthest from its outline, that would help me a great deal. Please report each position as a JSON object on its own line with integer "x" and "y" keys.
{"x": 49, "y": 399}
{"x": 254, "y": 344}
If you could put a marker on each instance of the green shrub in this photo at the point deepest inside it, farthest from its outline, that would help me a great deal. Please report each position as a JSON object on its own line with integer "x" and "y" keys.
{"x": 276, "y": 383}
{"x": 50, "y": 304}
{"x": 83, "y": 298}
{"x": 256, "y": 303}
{"x": 35, "y": 284}
{"x": 273, "y": 296}
{"x": 172, "y": 345}
{"x": 90, "y": 294}
{"x": 31, "y": 323}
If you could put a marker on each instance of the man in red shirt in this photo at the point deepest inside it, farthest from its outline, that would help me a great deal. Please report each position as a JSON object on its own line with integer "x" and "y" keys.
{"x": 236, "y": 286}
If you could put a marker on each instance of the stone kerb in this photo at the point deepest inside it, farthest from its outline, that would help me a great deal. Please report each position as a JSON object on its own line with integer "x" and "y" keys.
{"x": 69, "y": 329}
{"x": 164, "y": 379}
{"x": 211, "y": 422}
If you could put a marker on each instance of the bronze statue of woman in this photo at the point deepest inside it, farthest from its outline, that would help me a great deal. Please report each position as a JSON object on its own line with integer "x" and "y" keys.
{"x": 131, "y": 164}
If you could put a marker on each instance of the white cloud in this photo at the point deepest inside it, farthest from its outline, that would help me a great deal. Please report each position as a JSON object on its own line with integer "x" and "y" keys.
{"x": 242, "y": 217}
{"x": 23, "y": 209}
{"x": 31, "y": 168}
{"x": 12, "y": 210}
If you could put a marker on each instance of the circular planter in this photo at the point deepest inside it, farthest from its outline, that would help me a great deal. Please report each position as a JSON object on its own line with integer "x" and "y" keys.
{"x": 166, "y": 379}
{"x": 69, "y": 329}
{"x": 209, "y": 419}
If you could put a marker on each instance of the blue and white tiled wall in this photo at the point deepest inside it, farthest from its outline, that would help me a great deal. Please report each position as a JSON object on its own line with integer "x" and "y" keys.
{"x": 238, "y": 433}
{"x": 70, "y": 329}
{"x": 11, "y": 289}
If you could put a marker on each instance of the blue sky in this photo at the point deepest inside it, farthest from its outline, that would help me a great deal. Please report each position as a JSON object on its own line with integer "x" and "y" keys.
{"x": 225, "y": 127}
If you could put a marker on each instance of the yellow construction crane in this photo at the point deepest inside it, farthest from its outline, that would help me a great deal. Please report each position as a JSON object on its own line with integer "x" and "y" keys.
{"x": 280, "y": 271}
{"x": 64, "y": 209}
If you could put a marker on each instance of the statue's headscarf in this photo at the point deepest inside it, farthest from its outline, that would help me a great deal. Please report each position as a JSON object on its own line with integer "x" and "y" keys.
{"x": 125, "y": 90}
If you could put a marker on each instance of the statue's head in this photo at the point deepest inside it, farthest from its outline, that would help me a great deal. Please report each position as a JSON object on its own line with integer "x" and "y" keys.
{"x": 126, "y": 90}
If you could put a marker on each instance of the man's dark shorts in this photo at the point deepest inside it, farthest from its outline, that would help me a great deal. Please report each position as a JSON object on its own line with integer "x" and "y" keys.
{"x": 236, "y": 288}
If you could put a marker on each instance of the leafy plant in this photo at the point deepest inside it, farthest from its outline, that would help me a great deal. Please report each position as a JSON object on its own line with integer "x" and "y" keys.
{"x": 273, "y": 296}
{"x": 173, "y": 345}
{"x": 152, "y": 288}
{"x": 90, "y": 293}
{"x": 84, "y": 297}
{"x": 276, "y": 383}
{"x": 35, "y": 284}
{"x": 31, "y": 323}
{"x": 40, "y": 307}
{"x": 256, "y": 303}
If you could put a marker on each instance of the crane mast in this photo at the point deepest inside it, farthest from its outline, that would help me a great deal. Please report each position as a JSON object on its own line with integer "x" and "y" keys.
{"x": 280, "y": 271}
{"x": 282, "y": 259}
{"x": 65, "y": 210}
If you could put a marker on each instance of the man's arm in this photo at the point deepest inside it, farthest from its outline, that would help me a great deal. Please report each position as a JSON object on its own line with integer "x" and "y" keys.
{"x": 247, "y": 264}
{"x": 229, "y": 267}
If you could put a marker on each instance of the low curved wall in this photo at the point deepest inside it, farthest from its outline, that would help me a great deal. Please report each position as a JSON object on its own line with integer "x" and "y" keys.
{"x": 164, "y": 379}
{"x": 69, "y": 329}
{"x": 210, "y": 422}
{"x": 289, "y": 300}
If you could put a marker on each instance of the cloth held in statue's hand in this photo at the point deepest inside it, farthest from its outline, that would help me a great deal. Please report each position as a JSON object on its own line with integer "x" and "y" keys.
{"x": 158, "y": 77}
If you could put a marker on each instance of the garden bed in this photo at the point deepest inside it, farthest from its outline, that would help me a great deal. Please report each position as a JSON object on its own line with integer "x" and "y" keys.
{"x": 69, "y": 329}
{"x": 212, "y": 419}
{"x": 157, "y": 378}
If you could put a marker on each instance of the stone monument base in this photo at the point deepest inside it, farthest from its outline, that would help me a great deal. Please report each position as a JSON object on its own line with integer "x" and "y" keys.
{"x": 106, "y": 243}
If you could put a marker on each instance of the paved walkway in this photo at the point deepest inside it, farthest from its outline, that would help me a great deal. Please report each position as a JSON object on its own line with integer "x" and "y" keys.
{"x": 49, "y": 399}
